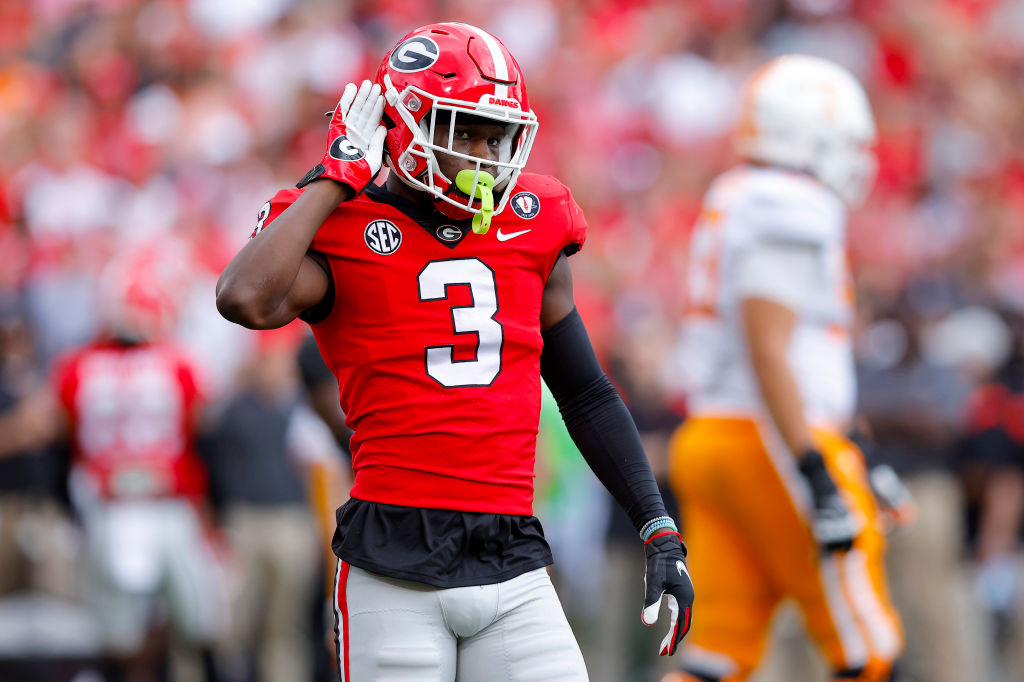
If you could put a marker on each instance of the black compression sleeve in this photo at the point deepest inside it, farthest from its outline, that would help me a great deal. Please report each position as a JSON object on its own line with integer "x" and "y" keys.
{"x": 598, "y": 420}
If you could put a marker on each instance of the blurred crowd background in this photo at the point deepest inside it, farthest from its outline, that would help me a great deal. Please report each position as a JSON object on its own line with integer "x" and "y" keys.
{"x": 166, "y": 124}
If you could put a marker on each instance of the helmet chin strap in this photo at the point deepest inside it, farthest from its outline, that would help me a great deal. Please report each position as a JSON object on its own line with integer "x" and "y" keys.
{"x": 479, "y": 185}
{"x": 391, "y": 93}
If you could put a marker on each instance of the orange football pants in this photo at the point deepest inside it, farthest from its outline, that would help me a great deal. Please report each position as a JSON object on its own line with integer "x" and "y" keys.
{"x": 745, "y": 510}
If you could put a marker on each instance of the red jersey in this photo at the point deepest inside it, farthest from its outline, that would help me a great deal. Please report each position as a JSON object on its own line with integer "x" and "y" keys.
{"x": 434, "y": 336}
{"x": 130, "y": 410}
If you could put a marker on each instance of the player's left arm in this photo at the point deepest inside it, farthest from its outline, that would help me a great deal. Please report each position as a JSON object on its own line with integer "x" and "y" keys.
{"x": 604, "y": 432}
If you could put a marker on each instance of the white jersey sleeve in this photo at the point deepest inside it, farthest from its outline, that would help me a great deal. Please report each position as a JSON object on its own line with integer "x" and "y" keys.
{"x": 782, "y": 207}
{"x": 781, "y": 272}
{"x": 774, "y": 234}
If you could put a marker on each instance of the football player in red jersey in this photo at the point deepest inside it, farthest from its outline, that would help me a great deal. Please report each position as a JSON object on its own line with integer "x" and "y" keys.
{"x": 131, "y": 401}
{"x": 440, "y": 300}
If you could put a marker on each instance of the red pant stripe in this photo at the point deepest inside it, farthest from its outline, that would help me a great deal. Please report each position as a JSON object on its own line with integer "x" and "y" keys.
{"x": 342, "y": 606}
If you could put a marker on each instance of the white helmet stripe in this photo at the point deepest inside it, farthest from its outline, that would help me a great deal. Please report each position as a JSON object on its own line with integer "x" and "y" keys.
{"x": 501, "y": 68}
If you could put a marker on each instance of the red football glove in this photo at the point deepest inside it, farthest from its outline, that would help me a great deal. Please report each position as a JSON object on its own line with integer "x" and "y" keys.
{"x": 355, "y": 141}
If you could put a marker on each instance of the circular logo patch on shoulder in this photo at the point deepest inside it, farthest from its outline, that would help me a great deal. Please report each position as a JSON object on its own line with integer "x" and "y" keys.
{"x": 415, "y": 54}
{"x": 448, "y": 233}
{"x": 383, "y": 237}
{"x": 526, "y": 205}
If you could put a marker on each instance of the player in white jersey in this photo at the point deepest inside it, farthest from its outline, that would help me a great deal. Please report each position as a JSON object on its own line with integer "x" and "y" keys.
{"x": 767, "y": 483}
{"x": 766, "y": 227}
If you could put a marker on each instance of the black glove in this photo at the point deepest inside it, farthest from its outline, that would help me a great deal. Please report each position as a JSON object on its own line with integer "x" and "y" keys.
{"x": 833, "y": 525}
{"x": 666, "y": 573}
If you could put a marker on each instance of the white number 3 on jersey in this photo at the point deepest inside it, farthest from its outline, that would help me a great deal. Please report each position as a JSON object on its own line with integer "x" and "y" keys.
{"x": 261, "y": 219}
{"x": 477, "y": 318}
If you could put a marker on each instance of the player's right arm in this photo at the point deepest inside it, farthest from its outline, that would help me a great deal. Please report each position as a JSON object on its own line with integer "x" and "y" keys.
{"x": 274, "y": 278}
{"x": 774, "y": 280}
{"x": 768, "y": 326}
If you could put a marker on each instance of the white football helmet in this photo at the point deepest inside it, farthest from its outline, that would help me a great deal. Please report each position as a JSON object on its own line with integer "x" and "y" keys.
{"x": 809, "y": 114}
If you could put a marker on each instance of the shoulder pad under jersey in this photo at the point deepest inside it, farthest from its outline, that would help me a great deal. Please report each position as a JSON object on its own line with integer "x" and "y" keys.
{"x": 773, "y": 205}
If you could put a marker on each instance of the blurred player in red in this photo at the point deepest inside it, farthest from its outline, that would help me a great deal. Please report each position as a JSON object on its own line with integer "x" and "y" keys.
{"x": 131, "y": 400}
{"x": 775, "y": 496}
{"x": 439, "y": 300}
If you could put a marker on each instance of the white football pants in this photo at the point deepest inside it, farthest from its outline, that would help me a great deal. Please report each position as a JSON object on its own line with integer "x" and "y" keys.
{"x": 391, "y": 630}
{"x": 144, "y": 554}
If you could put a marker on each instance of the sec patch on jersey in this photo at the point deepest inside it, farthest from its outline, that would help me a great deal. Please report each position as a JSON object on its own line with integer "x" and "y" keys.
{"x": 383, "y": 237}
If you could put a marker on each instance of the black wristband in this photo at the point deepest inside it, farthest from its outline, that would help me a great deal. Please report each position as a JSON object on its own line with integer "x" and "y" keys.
{"x": 312, "y": 174}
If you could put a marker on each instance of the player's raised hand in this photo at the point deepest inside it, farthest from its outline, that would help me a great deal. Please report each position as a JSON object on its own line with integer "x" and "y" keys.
{"x": 355, "y": 141}
{"x": 667, "y": 576}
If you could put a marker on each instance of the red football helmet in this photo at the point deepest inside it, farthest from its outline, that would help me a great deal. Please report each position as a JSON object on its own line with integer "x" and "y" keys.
{"x": 141, "y": 290}
{"x": 461, "y": 70}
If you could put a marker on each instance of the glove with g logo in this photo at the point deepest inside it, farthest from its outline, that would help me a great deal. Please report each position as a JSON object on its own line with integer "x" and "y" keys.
{"x": 355, "y": 141}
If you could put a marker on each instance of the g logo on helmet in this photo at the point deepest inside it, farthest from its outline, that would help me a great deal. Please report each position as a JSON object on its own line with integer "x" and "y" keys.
{"x": 415, "y": 54}
{"x": 343, "y": 150}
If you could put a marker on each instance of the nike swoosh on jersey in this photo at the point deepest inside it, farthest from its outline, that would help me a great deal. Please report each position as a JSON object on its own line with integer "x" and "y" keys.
{"x": 502, "y": 237}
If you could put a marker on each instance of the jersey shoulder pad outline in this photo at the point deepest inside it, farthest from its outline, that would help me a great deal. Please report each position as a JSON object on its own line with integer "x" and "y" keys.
{"x": 773, "y": 205}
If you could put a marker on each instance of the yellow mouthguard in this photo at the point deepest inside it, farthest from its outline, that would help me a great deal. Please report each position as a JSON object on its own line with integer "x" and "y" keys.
{"x": 464, "y": 180}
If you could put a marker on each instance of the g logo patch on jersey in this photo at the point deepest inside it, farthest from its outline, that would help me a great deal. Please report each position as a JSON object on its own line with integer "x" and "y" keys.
{"x": 448, "y": 233}
{"x": 343, "y": 150}
{"x": 415, "y": 54}
{"x": 526, "y": 205}
{"x": 383, "y": 237}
